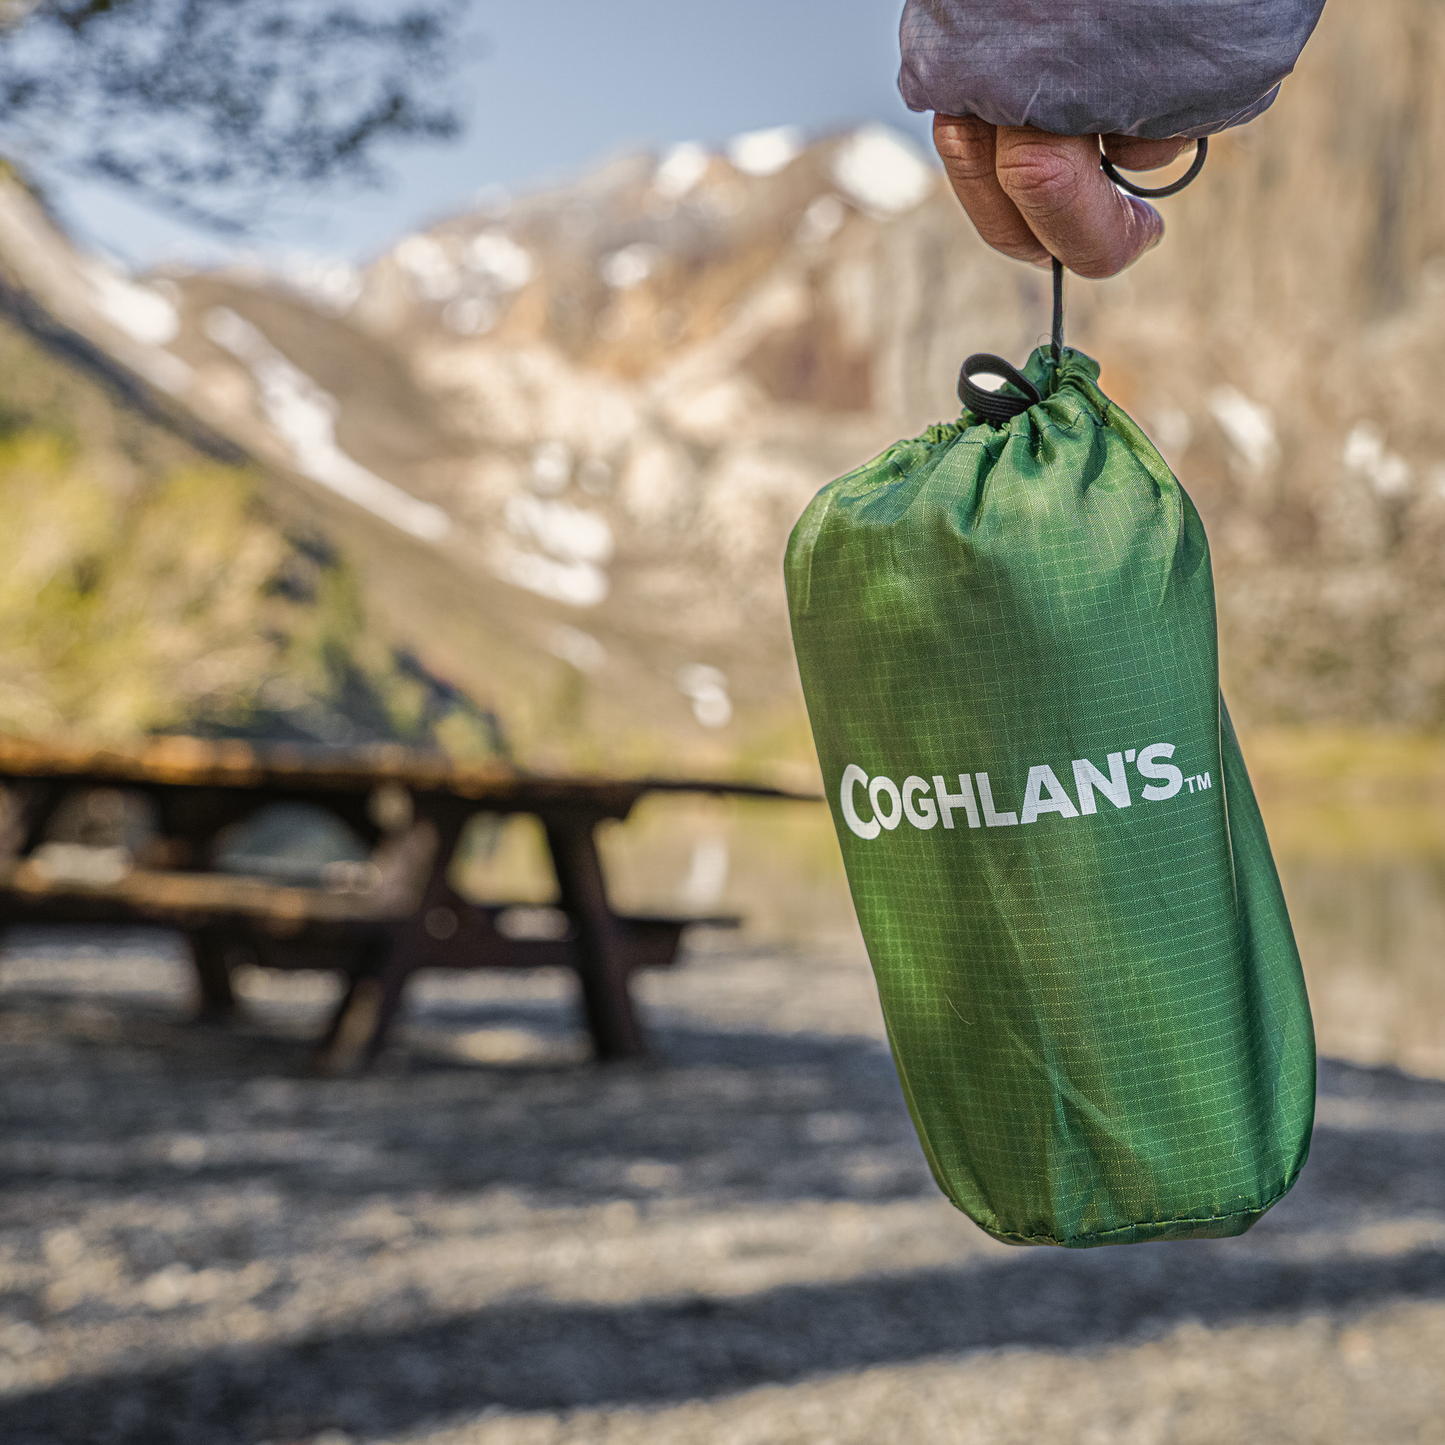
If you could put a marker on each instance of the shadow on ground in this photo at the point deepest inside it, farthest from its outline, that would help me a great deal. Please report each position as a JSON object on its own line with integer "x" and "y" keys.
{"x": 536, "y": 1356}
{"x": 117, "y": 1103}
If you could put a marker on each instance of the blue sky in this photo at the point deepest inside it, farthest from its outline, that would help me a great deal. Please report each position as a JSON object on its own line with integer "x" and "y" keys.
{"x": 558, "y": 85}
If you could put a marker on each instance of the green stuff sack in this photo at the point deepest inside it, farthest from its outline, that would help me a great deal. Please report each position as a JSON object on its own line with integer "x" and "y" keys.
{"x": 1006, "y": 636}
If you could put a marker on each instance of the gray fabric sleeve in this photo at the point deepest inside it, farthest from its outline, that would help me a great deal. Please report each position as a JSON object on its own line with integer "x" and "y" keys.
{"x": 1082, "y": 67}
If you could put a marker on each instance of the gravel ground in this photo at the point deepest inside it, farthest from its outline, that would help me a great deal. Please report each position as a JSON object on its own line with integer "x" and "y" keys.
{"x": 492, "y": 1242}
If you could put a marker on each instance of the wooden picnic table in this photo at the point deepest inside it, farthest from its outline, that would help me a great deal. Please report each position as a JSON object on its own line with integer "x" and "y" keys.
{"x": 378, "y": 925}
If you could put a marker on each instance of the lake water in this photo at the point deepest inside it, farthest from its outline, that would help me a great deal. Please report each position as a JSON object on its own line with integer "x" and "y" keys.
{"x": 1371, "y": 933}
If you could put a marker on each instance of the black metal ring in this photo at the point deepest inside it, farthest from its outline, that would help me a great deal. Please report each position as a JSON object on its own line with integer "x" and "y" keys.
{"x": 995, "y": 406}
{"x": 1201, "y": 149}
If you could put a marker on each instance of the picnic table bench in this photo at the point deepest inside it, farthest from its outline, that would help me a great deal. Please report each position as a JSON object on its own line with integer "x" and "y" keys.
{"x": 376, "y": 924}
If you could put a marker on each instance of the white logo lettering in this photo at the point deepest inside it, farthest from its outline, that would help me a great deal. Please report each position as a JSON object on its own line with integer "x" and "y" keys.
{"x": 1058, "y": 801}
{"x": 1043, "y": 793}
{"x": 882, "y": 787}
{"x": 922, "y": 815}
{"x": 852, "y": 776}
{"x": 1171, "y": 777}
{"x": 947, "y": 801}
{"x": 1115, "y": 787}
{"x": 985, "y": 794}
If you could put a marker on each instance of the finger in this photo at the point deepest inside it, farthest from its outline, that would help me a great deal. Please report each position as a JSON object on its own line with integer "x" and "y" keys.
{"x": 966, "y": 147}
{"x": 1134, "y": 153}
{"x": 1070, "y": 204}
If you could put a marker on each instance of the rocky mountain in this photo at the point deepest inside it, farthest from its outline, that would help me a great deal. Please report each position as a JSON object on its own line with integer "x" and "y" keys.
{"x": 151, "y": 581}
{"x": 561, "y": 439}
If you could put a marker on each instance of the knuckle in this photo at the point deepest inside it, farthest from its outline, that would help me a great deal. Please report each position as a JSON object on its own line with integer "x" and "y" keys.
{"x": 1040, "y": 177}
{"x": 966, "y": 148}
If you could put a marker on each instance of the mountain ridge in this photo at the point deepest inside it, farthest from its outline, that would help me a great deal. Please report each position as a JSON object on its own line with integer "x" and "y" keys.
{"x": 563, "y": 439}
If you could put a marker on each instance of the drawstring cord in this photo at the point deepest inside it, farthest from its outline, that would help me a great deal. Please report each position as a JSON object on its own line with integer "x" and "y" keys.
{"x": 1056, "y": 332}
{"x": 997, "y": 407}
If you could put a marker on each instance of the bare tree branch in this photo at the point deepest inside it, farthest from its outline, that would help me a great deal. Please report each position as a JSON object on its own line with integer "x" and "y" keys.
{"x": 206, "y": 107}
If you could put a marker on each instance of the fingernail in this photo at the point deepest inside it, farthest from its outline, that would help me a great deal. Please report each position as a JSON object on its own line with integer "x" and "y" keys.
{"x": 1150, "y": 220}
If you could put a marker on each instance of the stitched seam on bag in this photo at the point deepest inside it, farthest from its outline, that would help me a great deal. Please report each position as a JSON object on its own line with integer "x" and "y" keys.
{"x": 1152, "y": 1223}
{"x": 1064, "y": 428}
{"x": 961, "y": 436}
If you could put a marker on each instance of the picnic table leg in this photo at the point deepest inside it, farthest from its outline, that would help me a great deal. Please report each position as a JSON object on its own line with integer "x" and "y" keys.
{"x": 601, "y": 943}
{"x": 213, "y": 975}
{"x": 363, "y": 1018}
{"x": 387, "y": 958}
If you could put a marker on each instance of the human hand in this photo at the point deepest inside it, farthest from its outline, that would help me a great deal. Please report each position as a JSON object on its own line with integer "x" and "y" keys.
{"x": 1034, "y": 195}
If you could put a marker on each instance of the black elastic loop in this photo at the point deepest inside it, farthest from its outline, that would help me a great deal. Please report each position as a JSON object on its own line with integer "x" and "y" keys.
{"x": 1000, "y": 406}
{"x": 1201, "y": 149}
{"x": 995, "y": 406}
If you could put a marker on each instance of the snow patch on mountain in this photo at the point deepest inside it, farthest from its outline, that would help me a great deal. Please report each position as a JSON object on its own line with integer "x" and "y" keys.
{"x": 1249, "y": 425}
{"x": 330, "y": 284}
{"x": 432, "y": 272}
{"x": 566, "y": 532}
{"x": 765, "y": 152}
{"x": 1366, "y": 455}
{"x": 680, "y": 170}
{"x": 883, "y": 171}
{"x": 559, "y": 550}
{"x": 579, "y": 584}
{"x": 630, "y": 266}
{"x": 498, "y": 260}
{"x": 303, "y": 416}
{"x": 142, "y": 312}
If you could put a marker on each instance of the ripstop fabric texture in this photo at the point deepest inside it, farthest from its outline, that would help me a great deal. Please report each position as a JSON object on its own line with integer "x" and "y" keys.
{"x": 1006, "y": 637}
{"x": 1129, "y": 67}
